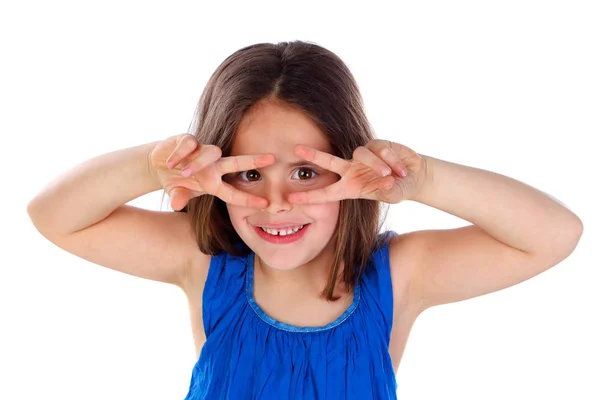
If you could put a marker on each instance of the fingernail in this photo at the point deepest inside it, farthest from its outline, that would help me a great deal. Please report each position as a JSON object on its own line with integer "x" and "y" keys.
{"x": 186, "y": 172}
{"x": 170, "y": 164}
{"x": 386, "y": 171}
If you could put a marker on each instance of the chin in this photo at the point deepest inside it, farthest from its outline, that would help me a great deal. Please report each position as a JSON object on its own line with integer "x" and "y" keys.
{"x": 282, "y": 257}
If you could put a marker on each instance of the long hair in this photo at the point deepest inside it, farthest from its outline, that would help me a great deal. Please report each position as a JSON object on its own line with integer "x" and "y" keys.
{"x": 315, "y": 80}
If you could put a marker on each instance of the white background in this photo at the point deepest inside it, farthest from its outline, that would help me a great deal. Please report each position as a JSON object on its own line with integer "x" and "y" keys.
{"x": 509, "y": 86}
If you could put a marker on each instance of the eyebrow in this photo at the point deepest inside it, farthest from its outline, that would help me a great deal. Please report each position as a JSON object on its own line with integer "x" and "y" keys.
{"x": 302, "y": 163}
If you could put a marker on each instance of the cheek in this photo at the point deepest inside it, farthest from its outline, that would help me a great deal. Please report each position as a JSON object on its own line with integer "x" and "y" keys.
{"x": 326, "y": 213}
{"x": 236, "y": 214}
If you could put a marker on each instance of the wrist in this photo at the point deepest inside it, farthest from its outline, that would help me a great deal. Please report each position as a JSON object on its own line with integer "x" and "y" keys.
{"x": 424, "y": 180}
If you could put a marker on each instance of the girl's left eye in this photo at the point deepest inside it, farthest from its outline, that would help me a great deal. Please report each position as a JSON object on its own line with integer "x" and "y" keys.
{"x": 305, "y": 173}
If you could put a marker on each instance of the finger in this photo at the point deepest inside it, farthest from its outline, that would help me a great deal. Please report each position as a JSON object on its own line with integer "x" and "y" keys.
{"x": 233, "y": 196}
{"x": 366, "y": 156}
{"x": 200, "y": 158}
{"x": 179, "y": 198}
{"x": 187, "y": 144}
{"x": 390, "y": 156}
{"x": 228, "y": 165}
{"x": 322, "y": 159}
{"x": 387, "y": 153}
{"x": 386, "y": 183}
{"x": 324, "y": 195}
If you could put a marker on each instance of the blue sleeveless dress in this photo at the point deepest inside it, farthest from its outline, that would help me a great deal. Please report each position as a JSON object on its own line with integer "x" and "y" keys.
{"x": 249, "y": 355}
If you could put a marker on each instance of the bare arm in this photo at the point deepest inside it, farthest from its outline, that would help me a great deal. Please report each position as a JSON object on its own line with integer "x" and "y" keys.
{"x": 517, "y": 232}
{"x": 90, "y": 191}
{"x": 83, "y": 211}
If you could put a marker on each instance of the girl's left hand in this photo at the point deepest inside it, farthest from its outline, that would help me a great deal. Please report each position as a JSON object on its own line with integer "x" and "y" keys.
{"x": 363, "y": 177}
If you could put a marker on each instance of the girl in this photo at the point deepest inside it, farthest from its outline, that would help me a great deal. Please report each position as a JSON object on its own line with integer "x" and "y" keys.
{"x": 293, "y": 291}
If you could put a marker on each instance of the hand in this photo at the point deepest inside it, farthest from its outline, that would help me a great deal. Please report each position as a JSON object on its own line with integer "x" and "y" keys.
{"x": 204, "y": 167}
{"x": 363, "y": 177}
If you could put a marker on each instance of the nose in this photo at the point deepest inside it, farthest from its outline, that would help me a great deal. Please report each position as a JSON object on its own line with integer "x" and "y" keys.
{"x": 276, "y": 195}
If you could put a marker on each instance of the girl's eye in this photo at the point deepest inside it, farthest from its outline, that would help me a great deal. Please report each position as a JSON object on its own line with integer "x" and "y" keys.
{"x": 305, "y": 173}
{"x": 302, "y": 173}
{"x": 252, "y": 174}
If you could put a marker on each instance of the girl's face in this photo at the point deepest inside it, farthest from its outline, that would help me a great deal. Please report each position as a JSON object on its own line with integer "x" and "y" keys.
{"x": 271, "y": 128}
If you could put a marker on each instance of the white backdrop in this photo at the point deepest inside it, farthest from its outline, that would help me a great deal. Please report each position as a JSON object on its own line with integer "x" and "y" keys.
{"x": 510, "y": 86}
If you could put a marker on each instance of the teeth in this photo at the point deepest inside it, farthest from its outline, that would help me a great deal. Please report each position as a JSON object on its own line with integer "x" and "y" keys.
{"x": 282, "y": 232}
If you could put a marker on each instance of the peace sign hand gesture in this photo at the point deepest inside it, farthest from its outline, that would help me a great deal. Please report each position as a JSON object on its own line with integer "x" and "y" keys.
{"x": 380, "y": 170}
{"x": 186, "y": 169}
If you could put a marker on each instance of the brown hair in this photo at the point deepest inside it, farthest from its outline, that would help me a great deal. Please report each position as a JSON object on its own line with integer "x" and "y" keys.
{"x": 315, "y": 80}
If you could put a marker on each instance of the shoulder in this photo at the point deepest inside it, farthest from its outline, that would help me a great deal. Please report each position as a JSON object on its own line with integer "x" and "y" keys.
{"x": 205, "y": 269}
{"x": 405, "y": 252}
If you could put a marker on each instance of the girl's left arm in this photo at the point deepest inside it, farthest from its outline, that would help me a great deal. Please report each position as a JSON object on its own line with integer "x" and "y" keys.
{"x": 517, "y": 233}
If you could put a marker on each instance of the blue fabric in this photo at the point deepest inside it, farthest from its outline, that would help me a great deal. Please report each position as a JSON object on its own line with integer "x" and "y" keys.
{"x": 249, "y": 355}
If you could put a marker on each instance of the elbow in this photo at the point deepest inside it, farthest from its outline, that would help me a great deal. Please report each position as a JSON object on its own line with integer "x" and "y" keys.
{"x": 569, "y": 238}
{"x": 560, "y": 242}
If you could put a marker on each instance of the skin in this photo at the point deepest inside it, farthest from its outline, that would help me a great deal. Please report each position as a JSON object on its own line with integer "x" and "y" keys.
{"x": 303, "y": 265}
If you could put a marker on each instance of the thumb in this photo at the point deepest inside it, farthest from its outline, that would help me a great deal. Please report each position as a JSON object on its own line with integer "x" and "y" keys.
{"x": 179, "y": 198}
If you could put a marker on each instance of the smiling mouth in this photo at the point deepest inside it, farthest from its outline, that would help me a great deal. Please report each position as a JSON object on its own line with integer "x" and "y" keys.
{"x": 284, "y": 231}
{"x": 285, "y": 235}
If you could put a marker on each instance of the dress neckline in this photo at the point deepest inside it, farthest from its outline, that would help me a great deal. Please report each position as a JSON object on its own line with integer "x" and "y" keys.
{"x": 288, "y": 327}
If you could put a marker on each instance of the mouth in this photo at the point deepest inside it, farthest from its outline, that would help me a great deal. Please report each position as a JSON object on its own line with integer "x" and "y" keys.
{"x": 281, "y": 236}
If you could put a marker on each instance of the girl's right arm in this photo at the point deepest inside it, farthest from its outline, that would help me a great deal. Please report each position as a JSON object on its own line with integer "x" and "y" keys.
{"x": 84, "y": 211}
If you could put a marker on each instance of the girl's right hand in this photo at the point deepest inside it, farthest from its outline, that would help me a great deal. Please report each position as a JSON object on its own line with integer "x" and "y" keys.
{"x": 206, "y": 167}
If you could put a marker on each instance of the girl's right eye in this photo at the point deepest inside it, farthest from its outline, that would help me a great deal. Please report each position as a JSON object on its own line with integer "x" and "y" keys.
{"x": 252, "y": 175}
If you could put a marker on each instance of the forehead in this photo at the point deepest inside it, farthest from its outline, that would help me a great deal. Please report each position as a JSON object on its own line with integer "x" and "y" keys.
{"x": 273, "y": 128}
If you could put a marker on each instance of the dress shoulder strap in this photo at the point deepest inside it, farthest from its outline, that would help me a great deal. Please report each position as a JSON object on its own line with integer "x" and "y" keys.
{"x": 224, "y": 288}
{"x": 377, "y": 283}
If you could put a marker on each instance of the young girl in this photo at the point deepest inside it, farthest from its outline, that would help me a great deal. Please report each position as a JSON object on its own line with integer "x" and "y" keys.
{"x": 294, "y": 292}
